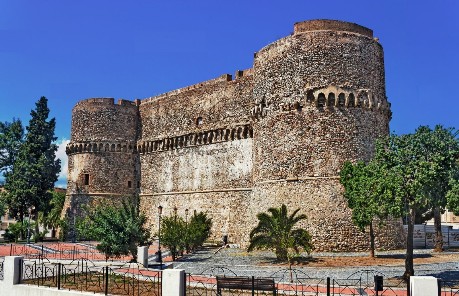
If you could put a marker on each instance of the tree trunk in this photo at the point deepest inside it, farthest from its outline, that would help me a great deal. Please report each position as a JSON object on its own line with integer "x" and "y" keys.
{"x": 281, "y": 254}
{"x": 37, "y": 230}
{"x": 409, "y": 268}
{"x": 21, "y": 233}
{"x": 438, "y": 234}
{"x": 372, "y": 241}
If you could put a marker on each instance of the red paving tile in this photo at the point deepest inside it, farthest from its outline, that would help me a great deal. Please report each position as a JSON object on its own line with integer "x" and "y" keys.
{"x": 61, "y": 251}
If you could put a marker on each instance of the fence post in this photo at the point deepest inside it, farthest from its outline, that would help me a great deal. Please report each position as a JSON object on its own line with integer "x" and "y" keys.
{"x": 328, "y": 286}
{"x": 184, "y": 281}
{"x": 172, "y": 282}
{"x": 58, "y": 276}
{"x": 253, "y": 285}
{"x": 408, "y": 287}
{"x": 106, "y": 280}
{"x": 12, "y": 271}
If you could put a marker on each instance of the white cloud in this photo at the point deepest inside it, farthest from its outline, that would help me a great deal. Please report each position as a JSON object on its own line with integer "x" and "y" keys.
{"x": 60, "y": 153}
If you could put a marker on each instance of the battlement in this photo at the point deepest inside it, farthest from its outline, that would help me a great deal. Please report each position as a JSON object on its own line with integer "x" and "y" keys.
{"x": 243, "y": 73}
{"x": 330, "y": 25}
{"x": 220, "y": 79}
{"x": 104, "y": 102}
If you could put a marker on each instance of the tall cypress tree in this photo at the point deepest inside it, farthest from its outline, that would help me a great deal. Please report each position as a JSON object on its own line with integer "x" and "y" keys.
{"x": 11, "y": 138}
{"x": 35, "y": 169}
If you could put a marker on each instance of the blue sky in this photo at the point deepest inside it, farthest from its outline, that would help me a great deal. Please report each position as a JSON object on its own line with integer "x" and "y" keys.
{"x": 73, "y": 50}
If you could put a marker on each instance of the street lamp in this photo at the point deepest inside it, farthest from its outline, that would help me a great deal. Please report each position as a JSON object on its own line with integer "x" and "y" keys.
{"x": 159, "y": 259}
{"x": 74, "y": 225}
{"x": 187, "y": 247}
{"x": 28, "y": 226}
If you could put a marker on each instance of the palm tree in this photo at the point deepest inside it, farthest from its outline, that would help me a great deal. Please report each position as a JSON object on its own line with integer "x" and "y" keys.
{"x": 276, "y": 230}
{"x": 53, "y": 218}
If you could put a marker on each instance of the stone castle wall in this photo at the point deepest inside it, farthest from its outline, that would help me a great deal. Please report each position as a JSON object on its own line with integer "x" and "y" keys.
{"x": 277, "y": 133}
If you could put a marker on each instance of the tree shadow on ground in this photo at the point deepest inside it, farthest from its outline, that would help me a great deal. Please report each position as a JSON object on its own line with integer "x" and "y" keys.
{"x": 446, "y": 275}
{"x": 300, "y": 260}
{"x": 402, "y": 256}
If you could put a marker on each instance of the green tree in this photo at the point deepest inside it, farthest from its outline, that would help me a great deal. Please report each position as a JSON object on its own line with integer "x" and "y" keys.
{"x": 173, "y": 235}
{"x": 453, "y": 196}
{"x": 368, "y": 196}
{"x": 440, "y": 148}
{"x": 35, "y": 168}
{"x": 53, "y": 217}
{"x": 15, "y": 230}
{"x": 177, "y": 235}
{"x": 119, "y": 230}
{"x": 197, "y": 230}
{"x": 2, "y": 204}
{"x": 411, "y": 176}
{"x": 11, "y": 139}
{"x": 276, "y": 230}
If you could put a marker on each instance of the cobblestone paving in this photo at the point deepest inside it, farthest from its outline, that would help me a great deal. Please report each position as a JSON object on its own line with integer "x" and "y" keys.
{"x": 261, "y": 264}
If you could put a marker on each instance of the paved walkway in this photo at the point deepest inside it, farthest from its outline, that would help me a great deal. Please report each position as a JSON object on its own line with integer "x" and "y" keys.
{"x": 259, "y": 263}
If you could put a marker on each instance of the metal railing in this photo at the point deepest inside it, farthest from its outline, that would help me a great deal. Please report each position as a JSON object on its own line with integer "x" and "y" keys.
{"x": 296, "y": 282}
{"x": 449, "y": 287}
{"x": 84, "y": 275}
{"x": 1, "y": 270}
{"x": 131, "y": 279}
{"x": 57, "y": 251}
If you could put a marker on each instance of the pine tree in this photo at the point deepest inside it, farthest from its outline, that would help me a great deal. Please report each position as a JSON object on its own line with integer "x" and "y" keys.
{"x": 35, "y": 170}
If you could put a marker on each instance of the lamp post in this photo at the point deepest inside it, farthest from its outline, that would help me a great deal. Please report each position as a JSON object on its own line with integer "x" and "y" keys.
{"x": 160, "y": 259}
{"x": 186, "y": 231}
{"x": 28, "y": 226}
{"x": 74, "y": 225}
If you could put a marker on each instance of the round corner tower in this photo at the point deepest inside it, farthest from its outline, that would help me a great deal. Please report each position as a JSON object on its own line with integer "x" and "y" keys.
{"x": 320, "y": 100}
{"x": 102, "y": 160}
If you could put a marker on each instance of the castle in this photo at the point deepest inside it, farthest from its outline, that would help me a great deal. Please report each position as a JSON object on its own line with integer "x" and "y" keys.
{"x": 233, "y": 147}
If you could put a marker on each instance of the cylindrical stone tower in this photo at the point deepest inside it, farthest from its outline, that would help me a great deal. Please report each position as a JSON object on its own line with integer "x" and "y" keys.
{"x": 319, "y": 100}
{"x": 102, "y": 160}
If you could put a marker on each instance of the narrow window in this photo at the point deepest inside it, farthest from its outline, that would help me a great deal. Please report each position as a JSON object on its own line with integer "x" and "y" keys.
{"x": 129, "y": 184}
{"x": 86, "y": 179}
{"x": 199, "y": 121}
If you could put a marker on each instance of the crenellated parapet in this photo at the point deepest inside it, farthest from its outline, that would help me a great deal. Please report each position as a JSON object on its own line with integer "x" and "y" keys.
{"x": 219, "y": 135}
{"x": 106, "y": 102}
{"x": 96, "y": 147}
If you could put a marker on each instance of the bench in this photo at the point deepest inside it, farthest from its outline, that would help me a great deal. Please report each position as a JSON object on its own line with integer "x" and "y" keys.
{"x": 245, "y": 283}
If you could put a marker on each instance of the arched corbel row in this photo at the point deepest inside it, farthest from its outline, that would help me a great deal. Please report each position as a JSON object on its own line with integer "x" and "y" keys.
{"x": 97, "y": 147}
{"x": 196, "y": 139}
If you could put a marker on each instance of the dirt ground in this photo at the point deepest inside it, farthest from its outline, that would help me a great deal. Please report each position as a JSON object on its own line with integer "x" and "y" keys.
{"x": 386, "y": 260}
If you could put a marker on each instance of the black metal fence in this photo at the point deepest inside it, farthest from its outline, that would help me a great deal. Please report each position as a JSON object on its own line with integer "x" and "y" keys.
{"x": 449, "y": 287}
{"x": 84, "y": 275}
{"x": 296, "y": 282}
{"x": 57, "y": 251}
{"x": 1, "y": 270}
{"x": 131, "y": 279}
